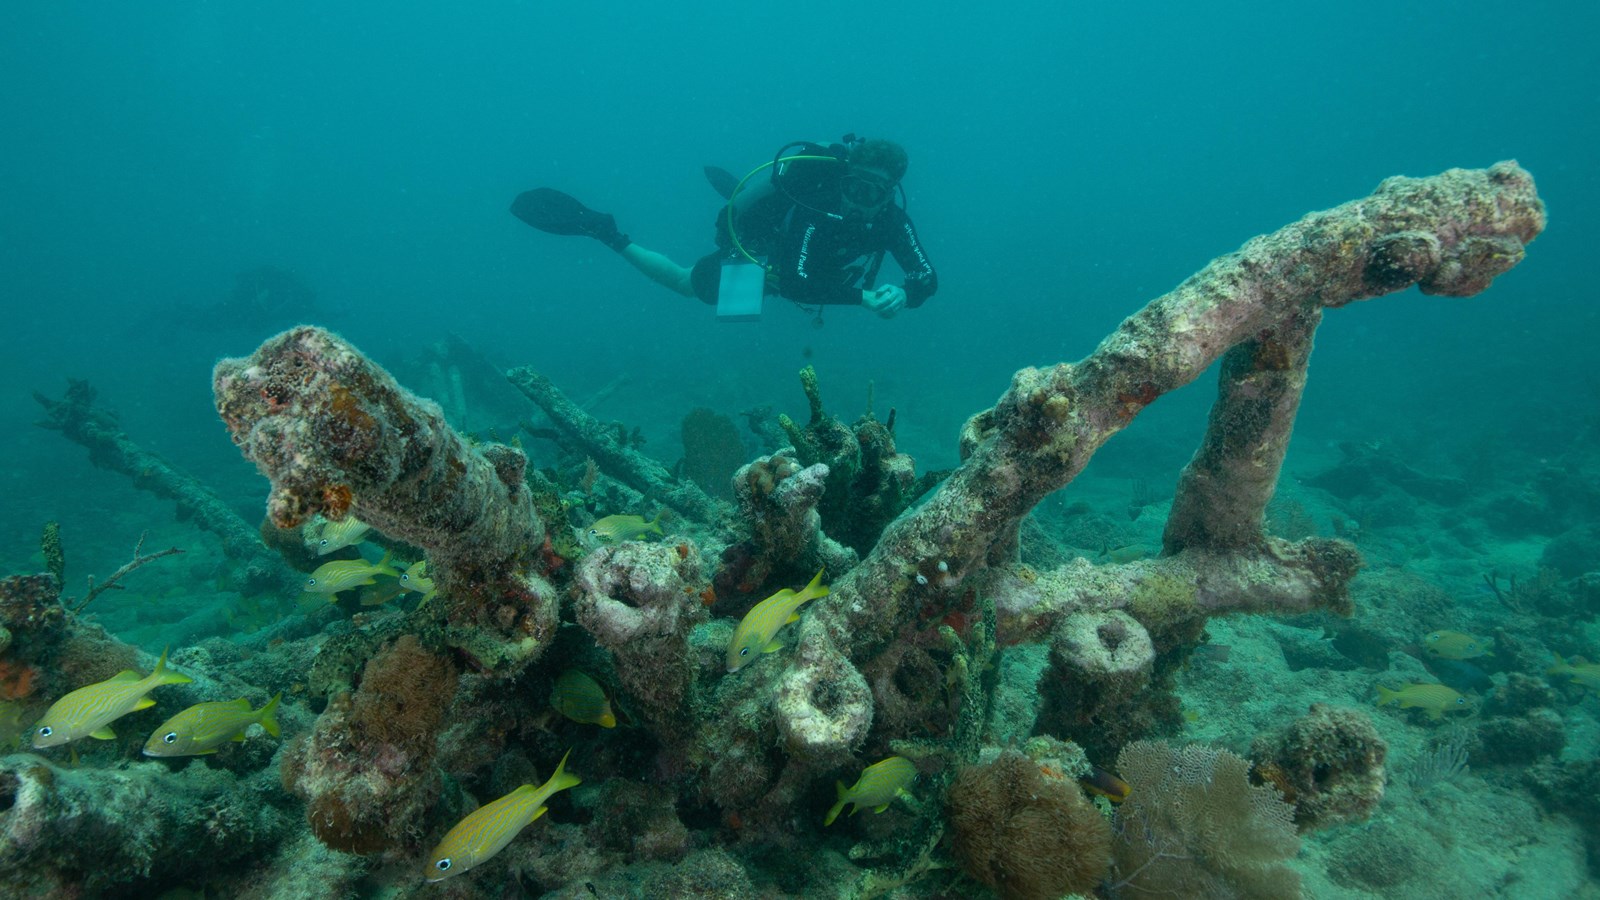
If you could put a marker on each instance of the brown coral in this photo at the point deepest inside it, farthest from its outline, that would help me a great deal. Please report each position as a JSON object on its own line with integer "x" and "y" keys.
{"x": 403, "y": 696}
{"x": 338, "y": 827}
{"x": 366, "y": 770}
{"x": 1027, "y": 835}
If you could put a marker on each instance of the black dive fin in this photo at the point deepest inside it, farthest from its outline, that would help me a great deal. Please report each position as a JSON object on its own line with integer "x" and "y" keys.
{"x": 552, "y": 211}
{"x": 723, "y": 181}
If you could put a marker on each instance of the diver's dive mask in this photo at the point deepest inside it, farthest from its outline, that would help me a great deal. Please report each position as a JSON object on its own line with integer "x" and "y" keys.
{"x": 866, "y": 191}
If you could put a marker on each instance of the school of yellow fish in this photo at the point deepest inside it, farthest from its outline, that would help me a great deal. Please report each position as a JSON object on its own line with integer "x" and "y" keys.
{"x": 205, "y": 727}
{"x": 1437, "y": 699}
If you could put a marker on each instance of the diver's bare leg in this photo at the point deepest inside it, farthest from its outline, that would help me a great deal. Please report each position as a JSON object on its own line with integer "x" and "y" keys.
{"x": 659, "y": 269}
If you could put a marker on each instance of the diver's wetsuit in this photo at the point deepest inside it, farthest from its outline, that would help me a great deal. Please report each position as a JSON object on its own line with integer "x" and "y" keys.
{"x": 816, "y": 258}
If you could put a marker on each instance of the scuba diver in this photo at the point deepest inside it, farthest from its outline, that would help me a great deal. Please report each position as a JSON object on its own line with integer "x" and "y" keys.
{"x": 811, "y": 226}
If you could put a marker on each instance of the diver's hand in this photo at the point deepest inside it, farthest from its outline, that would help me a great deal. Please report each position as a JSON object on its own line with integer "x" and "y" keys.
{"x": 885, "y": 301}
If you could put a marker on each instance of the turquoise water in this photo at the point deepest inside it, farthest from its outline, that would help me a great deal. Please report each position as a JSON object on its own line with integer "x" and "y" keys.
{"x": 1067, "y": 165}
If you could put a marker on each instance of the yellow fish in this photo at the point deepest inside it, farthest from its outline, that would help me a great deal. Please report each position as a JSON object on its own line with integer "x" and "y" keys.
{"x": 614, "y": 529}
{"x": 1582, "y": 672}
{"x": 758, "y": 630}
{"x": 491, "y": 827}
{"x": 336, "y": 536}
{"x": 343, "y": 574}
{"x": 204, "y": 727}
{"x": 581, "y": 699}
{"x": 89, "y": 711}
{"x": 1455, "y": 645}
{"x": 877, "y": 787}
{"x": 1435, "y": 698}
{"x": 415, "y": 578}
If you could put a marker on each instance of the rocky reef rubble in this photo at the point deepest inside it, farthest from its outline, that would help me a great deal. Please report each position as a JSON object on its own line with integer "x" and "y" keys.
{"x": 723, "y": 775}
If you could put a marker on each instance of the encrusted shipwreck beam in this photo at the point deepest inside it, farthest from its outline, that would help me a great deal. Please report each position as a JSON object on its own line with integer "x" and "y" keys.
{"x": 80, "y": 419}
{"x": 1449, "y": 234}
{"x": 337, "y": 435}
{"x": 614, "y": 457}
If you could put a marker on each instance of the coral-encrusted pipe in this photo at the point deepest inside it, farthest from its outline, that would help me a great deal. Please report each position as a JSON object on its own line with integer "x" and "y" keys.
{"x": 614, "y": 456}
{"x": 1223, "y": 494}
{"x": 80, "y": 419}
{"x": 1449, "y": 234}
{"x": 337, "y": 435}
